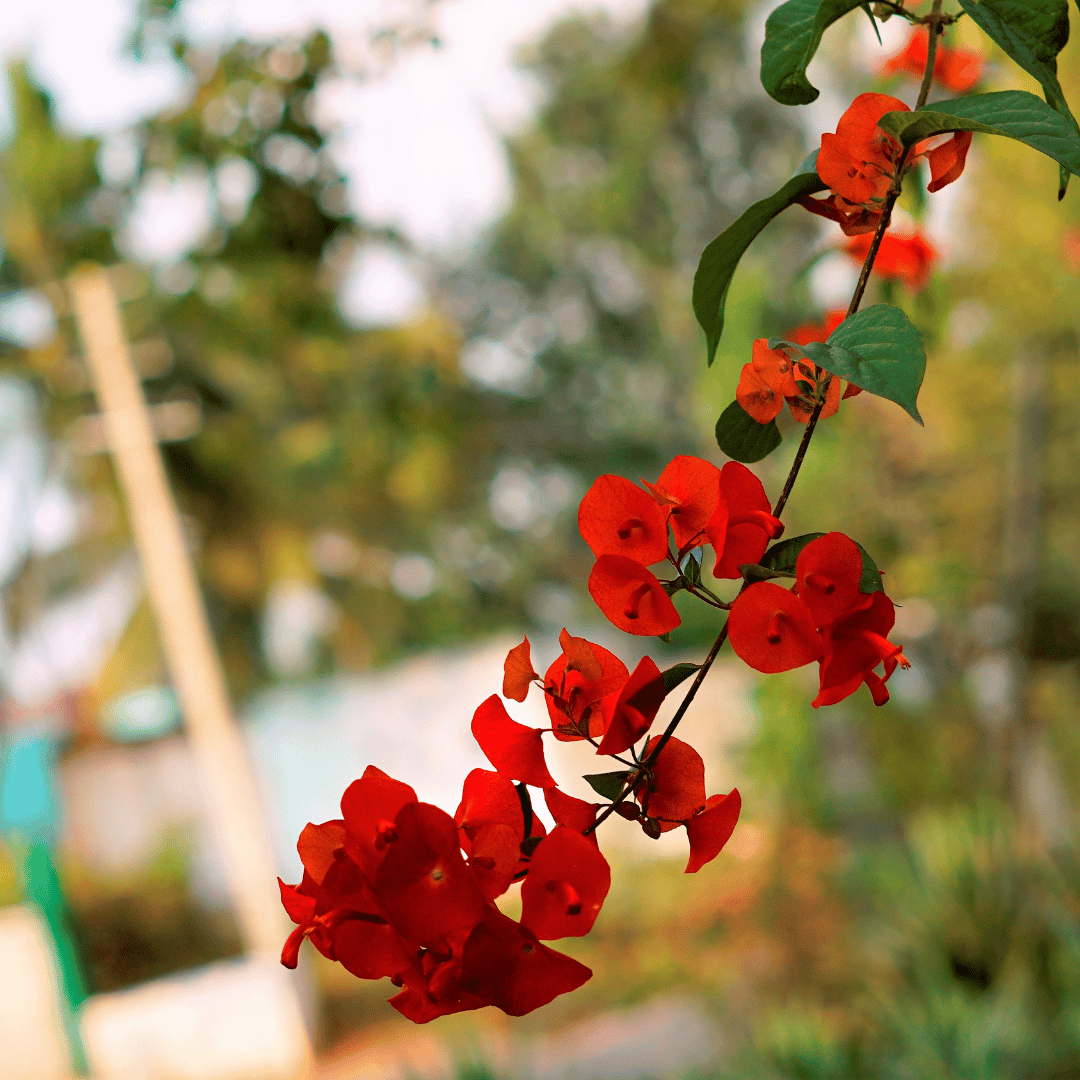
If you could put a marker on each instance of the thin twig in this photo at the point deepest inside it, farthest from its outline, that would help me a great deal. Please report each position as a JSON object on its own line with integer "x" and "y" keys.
{"x": 933, "y": 21}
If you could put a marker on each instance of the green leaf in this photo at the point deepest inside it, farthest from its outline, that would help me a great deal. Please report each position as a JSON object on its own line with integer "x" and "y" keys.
{"x": 677, "y": 674}
{"x": 792, "y": 36}
{"x": 781, "y": 557}
{"x": 608, "y": 785}
{"x": 1032, "y": 32}
{"x": 742, "y": 438}
{"x": 1015, "y": 114}
{"x": 877, "y": 349}
{"x": 719, "y": 259}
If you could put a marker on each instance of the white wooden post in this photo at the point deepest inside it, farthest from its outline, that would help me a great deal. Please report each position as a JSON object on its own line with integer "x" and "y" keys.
{"x": 181, "y": 618}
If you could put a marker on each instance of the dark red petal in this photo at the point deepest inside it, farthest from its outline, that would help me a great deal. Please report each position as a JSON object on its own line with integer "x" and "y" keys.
{"x": 423, "y": 882}
{"x": 772, "y": 630}
{"x": 565, "y": 888}
{"x": 495, "y": 858}
{"x": 422, "y": 1009}
{"x": 505, "y": 965}
{"x": 515, "y": 750}
{"x": 947, "y": 160}
{"x": 617, "y": 517}
{"x": 855, "y": 646}
{"x": 735, "y": 539}
{"x": 710, "y": 830}
{"x": 290, "y": 952}
{"x": 580, "y": 656}
{"x": 299, "y": 908}
{"x": 370, "y": 950}
{"x": 574, "y": 813}
{"x": 677, "y": 788}
{"x": 488, "y": 798}
{"x": 631, "y": 596}
{"x": 828, "y": 572}
{"x": 635, "y": 708}
{"x": 518, "y": 672}
{"x": 367, "y": 802}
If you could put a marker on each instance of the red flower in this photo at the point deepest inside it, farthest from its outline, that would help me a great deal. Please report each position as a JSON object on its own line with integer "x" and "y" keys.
{"x": 829, "y": 619}
{"x": 506, "y": 966}
{"x": 902, "y": 256}
{"x": 803, "y": 335}
{"x": 574, "y": 685}
{"x": 854, "y": 646}
{"x": 743, "y": 524}
{"x": 423, "y": 882}
{"x": 418, "y": 912}
{"x": 828, "y": 573}
{"x": 711, "y": 828}
{"x": 772, "y": 630}
{"x": 633, "y": 711}
{"x": 518, "y": 672}
{"x": 515, "y": 750}
{"x": 689, "y": 487}
{"x": 617, "y": 518}
{"x": 765, "y": 382}
{"x": 958, "y": 70}
{"x": 567, "y": 881}
{"x": 632, "y": 597}
{"x": 859, "y": 161}
{"x": 676, "y": 789}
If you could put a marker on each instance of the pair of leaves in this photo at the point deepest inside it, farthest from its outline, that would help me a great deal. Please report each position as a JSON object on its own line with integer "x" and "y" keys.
{"x": 781, "y": 558}
{"x": 877, "y": 349}
{"x": 1031, "y": 32}
{"x": 719, "y": 259}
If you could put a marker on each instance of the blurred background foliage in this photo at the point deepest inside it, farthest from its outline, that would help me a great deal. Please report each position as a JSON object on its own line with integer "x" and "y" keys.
{"x": 913, "y": 909}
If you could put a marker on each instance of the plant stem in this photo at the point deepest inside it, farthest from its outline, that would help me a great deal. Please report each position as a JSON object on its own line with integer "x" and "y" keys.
{"x": 934, "y": 20}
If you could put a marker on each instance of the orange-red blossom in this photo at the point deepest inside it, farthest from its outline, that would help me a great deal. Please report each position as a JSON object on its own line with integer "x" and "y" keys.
{"x": 773, "y": 377}
{"x": 957, "y": 70}
{"x": 860, "y": 161}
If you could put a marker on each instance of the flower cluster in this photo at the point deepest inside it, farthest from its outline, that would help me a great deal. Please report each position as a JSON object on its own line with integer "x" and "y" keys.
{"x": 398, "y": 888}
{"x": 628, "y": 529}
{"x": 825, "y": 617}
